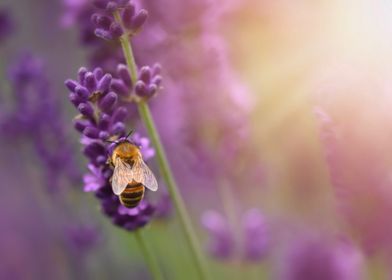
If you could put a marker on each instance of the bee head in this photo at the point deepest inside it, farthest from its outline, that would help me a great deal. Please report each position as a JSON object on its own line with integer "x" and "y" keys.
{"x": 120, "y": 140}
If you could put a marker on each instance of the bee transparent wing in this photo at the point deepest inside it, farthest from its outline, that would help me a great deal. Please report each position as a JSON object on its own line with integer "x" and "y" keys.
{"x": 122, "y": 176}
{"x": 143, "y": 174}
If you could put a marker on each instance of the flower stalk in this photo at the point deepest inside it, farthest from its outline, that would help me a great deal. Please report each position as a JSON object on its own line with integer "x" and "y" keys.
{"x": 164, "y": 167}
{"x": 149, "y": 258}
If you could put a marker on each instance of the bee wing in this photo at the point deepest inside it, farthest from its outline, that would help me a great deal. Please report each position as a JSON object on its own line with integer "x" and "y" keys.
{"x": 122, "y": 176}
{"x": 143, "y": 174}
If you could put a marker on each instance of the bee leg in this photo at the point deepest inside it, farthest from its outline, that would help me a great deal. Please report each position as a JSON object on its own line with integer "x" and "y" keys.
{"x": 109, "y": 162}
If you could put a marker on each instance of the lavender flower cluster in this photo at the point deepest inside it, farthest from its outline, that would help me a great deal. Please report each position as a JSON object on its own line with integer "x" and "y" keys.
{"x": 108, "y": 28}
{"x": 7, "y": 25}
{"x": 102, "y": 117}
{"x": 251, "y": 244}
{"x": 36, "y": 114}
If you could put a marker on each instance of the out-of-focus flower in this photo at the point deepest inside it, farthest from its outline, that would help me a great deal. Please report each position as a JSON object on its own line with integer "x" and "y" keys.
{"x": 79, "y": 12}
{"x": 252, "y": 242}
{"x": 355, "y": 135}
{"x": 7, "y": 26}
{"x": 221, "y": 239}
{"x": 321, "y": 258}
{"x": 256, "y": 237}
{"x": 164, "y": 206}
{"x": 101, "y": 53}
{"x": 36, "y": 114}
{"x": 83, "y": 238}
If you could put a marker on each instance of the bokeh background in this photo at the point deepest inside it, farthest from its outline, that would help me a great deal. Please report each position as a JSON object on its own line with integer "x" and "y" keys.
{"x": 276, "y": 109}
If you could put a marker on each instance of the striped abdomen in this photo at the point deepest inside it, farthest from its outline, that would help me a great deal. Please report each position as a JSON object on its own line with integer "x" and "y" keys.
{"x": 132, "y": 195}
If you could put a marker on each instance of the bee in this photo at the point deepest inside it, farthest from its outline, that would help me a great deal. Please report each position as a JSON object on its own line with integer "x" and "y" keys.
{"x": 131, "y": 175}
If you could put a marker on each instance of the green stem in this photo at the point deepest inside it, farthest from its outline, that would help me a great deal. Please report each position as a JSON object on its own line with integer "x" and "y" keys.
{"x": 127, "y": 50}
{"x": 150, "y": 260}
{"x": 145, "y": 114}
{"x": 167, "y": 175}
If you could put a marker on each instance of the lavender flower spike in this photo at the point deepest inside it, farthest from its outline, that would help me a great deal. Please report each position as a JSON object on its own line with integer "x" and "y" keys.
{"x": 321, "y": 258}
{"x": 108, "y": 28}
{"x": 37, "y": 115}
{"x": 223, "y": 245}
{"x": 6, "y": 25}
{"x": 102, "y": 117}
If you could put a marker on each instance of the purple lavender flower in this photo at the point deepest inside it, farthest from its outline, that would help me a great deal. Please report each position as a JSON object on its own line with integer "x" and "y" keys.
{"x": 321, "y": 258}
{"x": 224, "y": 244}
{"x": 79, "y": 12}
{"x": 6, "y": 25}
{"x": 102, "y": 117}
{"x": 36, "y": 114}
{"x": 108, "y": 28}
{"x": 361, "y": 190}
{"x": 256, "y": 237}
{"x": 221, "y": 243}
{"x": 101, "y": 53}
{"x": 164, "y": 206}
{"x": 83, "y": 238}
{"x": 149, "y": 81}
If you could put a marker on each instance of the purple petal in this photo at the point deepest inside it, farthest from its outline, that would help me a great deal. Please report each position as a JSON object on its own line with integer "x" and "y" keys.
{"x": 108, "y": 101}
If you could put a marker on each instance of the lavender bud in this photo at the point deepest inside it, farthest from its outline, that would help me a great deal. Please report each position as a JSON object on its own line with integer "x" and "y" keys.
{"x": 111, "y": 7}
{"x": 91, "y": 132}
{"x": 107, "y": 173}
{"x": 82, "y": 93}
{"x": 119, "y": 87}
{"x": 104, "y": 122}
{"x": 127, "y": 15}
{"x": 95, "y": 18}
{"x": 80, "y": 125}
{"x": 141, "y": 89}
{"x": 71, "y": 84}
{"x": 103, "y": 135}
{"x": 139, "y": 20}
{"x": 157, "y": 80}
{"x": 90, "y": 81}
{"x": 101, "y": 159}
{"x": 101, "y": 21}
{"x": 123, "y": 73}
{"x": 108, "y": 101}
{"x": 157, "y": 69}
{"x": 74, "y": 99}
{"x": 115, "y": 30}
{"x": 103, "y": 34}
{"x": 104, "y": 83}
{"x": 86, "y": 109}
{"x": 152, "y": 89}
{"x": 118, "y": 128}
{"x": 98, "y": 73}
{"x": 81, "y": 74}
{"x": 119, "y": 114}
{"x": 93, "y": 150}
{"x": 145, "y": 74}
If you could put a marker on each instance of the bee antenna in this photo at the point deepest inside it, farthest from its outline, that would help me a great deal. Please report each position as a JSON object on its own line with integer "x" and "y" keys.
{"x": 130, "y": 133}
{"x": 108, "y": 141}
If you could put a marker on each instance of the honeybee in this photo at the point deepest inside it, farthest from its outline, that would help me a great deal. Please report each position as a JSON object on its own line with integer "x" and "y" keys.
{"x": 131, "y": 175}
